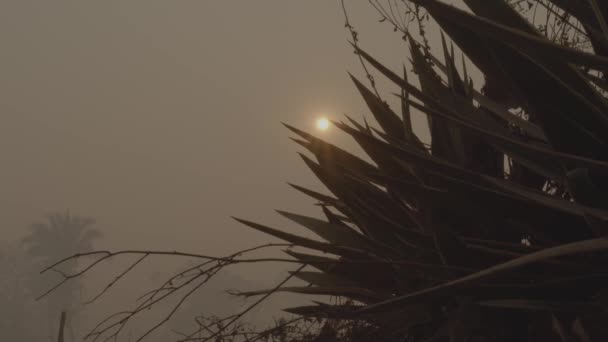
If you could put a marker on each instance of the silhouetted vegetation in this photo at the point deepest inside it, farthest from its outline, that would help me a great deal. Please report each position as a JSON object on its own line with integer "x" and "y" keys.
{"x": 49, "y": 241}
{"x": 493, "y": 232}
{"x": 21, "y": 283}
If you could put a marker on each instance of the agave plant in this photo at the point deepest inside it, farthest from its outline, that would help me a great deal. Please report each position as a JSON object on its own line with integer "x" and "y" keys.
{"x": 494, "y": 232}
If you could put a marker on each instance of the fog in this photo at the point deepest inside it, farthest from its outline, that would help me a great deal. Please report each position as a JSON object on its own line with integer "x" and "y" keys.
{"x": 161, "y": 119}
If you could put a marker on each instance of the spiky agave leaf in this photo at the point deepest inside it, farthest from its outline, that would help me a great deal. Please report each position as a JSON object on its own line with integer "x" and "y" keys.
{"x": 451, "y": 231}
{"x": 332, "y": 233}
{"x": 449, "y": 287}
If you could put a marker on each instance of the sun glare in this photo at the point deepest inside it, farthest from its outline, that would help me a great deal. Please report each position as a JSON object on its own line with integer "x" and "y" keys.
{"x": 323, "y": 124}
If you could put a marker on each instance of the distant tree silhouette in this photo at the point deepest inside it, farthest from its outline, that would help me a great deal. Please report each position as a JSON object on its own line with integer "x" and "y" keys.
{"x": 61, "y": 234}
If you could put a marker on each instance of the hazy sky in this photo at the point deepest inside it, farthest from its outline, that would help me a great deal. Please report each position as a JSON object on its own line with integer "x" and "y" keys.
{"x": 162, "y": 118}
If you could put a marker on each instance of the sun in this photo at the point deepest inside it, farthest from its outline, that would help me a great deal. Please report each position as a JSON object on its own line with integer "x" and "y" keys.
{"x": 323, "y": 124}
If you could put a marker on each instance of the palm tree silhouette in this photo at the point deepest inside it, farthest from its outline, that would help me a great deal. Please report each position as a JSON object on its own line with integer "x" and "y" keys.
{"x": 61, "y": 235}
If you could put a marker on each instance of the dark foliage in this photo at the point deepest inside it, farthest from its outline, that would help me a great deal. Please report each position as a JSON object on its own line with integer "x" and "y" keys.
{"x": 496, "y": 231}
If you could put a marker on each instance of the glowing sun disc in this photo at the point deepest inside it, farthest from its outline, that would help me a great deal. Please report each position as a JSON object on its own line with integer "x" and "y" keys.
{"x": 323, "y": 124}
